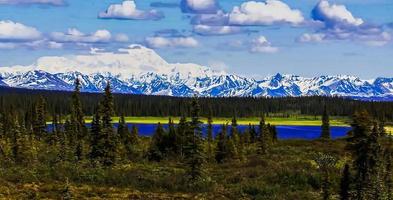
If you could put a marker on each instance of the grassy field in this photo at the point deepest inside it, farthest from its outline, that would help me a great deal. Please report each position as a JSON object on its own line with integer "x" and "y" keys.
{"x": 301, "y": 120}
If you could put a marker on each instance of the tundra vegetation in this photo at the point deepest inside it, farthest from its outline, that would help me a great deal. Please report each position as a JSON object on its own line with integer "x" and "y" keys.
{"x": 74, "y": 161}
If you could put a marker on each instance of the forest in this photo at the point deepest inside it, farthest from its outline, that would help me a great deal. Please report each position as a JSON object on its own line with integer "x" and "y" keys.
{"x": 58, "y": 102}
{"x": 100, "y": 161}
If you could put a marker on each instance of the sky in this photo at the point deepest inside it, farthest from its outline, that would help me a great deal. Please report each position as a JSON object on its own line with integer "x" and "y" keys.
{"x": 251, "y": 38}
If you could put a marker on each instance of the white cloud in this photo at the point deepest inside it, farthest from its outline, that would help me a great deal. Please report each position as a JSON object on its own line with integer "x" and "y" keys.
{"x": 256, "y": 45}
{"x": 216, "y": 30}
{"x": 262, "y": 45}
{"x": 74, "y": 35}
{"x": 165, "y": 42}
{"x": 199, "y": 6}
{"x": 334, "y": 14}
{"x": 42, "y": 2}
{"x": 336, "y": 22}
{"x": 128, "y": 10}
{"x": 13, "y": 31}
{"x": 121, "y": 37}
{"x": 312, "y": 37}
{"x": 264, "y": 13}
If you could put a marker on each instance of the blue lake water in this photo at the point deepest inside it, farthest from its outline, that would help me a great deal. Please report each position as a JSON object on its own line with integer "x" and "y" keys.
{"x": 284, "y": 132}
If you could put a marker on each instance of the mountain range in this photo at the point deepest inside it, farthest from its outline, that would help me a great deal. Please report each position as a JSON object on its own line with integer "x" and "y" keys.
{"x": 140, "y": 70}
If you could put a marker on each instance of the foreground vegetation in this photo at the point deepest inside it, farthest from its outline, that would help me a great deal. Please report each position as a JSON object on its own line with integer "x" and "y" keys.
{"x": 72, "y": 161}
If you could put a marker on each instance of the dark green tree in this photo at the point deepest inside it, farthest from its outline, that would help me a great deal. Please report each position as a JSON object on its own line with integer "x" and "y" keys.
{"x": 221, "y": 149}
{"x": 345, "y": 183}
{"x": 210, "y": 140}
{"x": 96, "y": 139}
{"x": 325, "y": 163}
{"x": 366, "y": 150}
{"x": 157, "y": 149}
{"x": 262, "y": 137}
{"x": 39, "y": 125}
{"x": 195, "y": 156}
{"x": 77, "y": 122}
{"x": 325, "y": 134}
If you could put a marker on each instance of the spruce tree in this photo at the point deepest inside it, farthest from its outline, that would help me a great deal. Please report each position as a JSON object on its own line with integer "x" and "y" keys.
{"x": 365, "y": 149}
{"x": 96, "y": 150}
{"x": 274, "y": 134}
{"x": 221, "y": 145}
{"x": 181, "y": 130}
{"x": 345, "y": 183}
{"x": 325, "y": 163}
{"x": 39, "y": 126}
{"x": 325, "y": 134}
{"x": 172, "y": 137}
{"x": 109, "y": 137}
{"x": 388, "y": 177}
{"x": 157, "y": 149}
{"x": 262, "y": 139}
{"x": 77, "y": 121}
{"x": 124, "y": 137}
{"x": 195, "y": 154}
{"x": 18, "y": 142}
{"x": 210, "y": 138}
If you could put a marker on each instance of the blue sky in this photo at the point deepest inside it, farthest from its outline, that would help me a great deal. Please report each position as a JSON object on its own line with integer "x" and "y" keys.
{"x": 304, "y": 37}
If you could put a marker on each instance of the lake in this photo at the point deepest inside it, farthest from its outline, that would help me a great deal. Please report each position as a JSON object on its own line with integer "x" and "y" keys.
{"x": 284, "y": 132}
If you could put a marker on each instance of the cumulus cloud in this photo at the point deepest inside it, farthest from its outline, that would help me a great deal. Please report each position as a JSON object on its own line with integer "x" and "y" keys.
{"x": 166, "y": 42}
{"x": 16, "y": 32}
{"x": 264, "y": 13}
{"x": 128, "y": 10}
{"x": 29, "y": 2}
{"x": 256, "y": 45}
{"x": 262, "y": 45}
{"x": 74, "y": 35}
{"x": 250, "y": 13}
{"x": 311, "y": 37}
{"x": 199, "y": 6}
{"x": 216, "y": 30}
{"x": 333, "y": 15}
{"x": 338, "y": 23}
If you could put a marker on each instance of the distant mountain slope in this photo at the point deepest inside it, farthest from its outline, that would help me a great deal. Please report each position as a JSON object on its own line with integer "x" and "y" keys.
{"x": 139, "y": 70}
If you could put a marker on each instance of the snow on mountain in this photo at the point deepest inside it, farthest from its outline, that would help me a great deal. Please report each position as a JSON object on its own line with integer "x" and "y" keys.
{"x": 139, "y": 70}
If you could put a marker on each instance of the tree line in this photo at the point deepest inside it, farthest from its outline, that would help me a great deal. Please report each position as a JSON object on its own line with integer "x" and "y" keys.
{"x": 23, "y": 100}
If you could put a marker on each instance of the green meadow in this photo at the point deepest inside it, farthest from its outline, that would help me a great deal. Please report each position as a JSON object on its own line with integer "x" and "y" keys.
{"x": 292, "y": 121}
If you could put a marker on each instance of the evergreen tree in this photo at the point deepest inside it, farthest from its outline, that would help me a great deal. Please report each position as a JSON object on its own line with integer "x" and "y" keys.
{"x": 157, "y": 149}
{"x": 124, "y": 136}
{"x": 77, "y": 121}
{"x": 134, "y": 135}
{"x": 210, "y": 138}
{"x": 365, "y": 149}
{"x": 171, "y": 139}
{"x": 182, "y": 128}
{"x": 345, "y": 183}
{"x": 325, "y": 163}
{"x": 253, "y": 133}
{"x": 388, "y": 178}
{"x": 104, "y": 140}
{"x": 195, "y": 154}
{"x": 381, "y": 128}
{"x": 273, "y": 132}
{"x": 221, "y": 145}
{"x": 39, "y": 126}
{"x": 18, "y": 142}
{"x": 96, "y": 150}
{"x": 325, "y": 134}
{"x": 262, "y": 139}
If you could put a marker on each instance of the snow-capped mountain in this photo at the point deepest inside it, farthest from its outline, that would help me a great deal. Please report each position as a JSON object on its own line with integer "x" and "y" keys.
{"x": 139, "y": 70}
